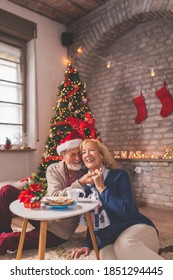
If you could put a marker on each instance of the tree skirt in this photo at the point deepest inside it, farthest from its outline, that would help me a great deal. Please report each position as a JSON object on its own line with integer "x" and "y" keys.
{"x": 63, "y": 251}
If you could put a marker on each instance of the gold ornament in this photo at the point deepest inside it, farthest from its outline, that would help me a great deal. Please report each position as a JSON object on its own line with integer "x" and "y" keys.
{"x": 167, "y": 153}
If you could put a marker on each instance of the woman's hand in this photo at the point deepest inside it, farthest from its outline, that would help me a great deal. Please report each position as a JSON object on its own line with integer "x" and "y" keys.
{"x": 98, "y": 179}
{"x": 80, "y": 251}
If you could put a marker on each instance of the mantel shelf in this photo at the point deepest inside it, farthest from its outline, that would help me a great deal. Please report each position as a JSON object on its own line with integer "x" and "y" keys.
{"x": 145, "y": 159}
{"x": 17, "y": 150}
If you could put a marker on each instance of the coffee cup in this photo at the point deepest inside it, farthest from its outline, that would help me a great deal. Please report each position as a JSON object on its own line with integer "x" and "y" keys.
{"x": 74, "y": 193}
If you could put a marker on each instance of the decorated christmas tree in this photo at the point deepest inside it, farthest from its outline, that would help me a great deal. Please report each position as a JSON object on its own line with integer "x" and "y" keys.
{"x": 71, "y": 112}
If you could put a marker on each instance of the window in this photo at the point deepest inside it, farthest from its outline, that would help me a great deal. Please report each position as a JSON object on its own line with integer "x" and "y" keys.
{"x": 15, "y": 33}
{"x": 12, "y": 91}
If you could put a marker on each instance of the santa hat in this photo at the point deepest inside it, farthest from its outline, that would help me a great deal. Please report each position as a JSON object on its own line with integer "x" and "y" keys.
{"x": 71, "y": 141}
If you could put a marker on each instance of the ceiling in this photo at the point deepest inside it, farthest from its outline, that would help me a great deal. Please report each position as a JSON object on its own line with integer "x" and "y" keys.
{"x": 62, "y": 11}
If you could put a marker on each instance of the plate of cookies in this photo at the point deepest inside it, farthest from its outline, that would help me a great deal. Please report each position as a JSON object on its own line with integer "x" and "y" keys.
{"x": 59, "y": 202}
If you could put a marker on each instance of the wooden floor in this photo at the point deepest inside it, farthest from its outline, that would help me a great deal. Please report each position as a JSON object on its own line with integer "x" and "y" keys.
{"x": 163, "y": 219}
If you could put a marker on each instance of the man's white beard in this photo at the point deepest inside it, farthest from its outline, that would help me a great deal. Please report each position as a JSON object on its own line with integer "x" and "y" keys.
{"x": 74, "y": 166}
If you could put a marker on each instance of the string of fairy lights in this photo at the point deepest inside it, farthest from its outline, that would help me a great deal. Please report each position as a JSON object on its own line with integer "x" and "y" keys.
{"x": 151, "y": 70}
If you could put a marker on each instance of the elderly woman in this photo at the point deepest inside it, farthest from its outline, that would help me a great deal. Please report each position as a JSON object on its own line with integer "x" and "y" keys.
{"x": 122, "y": 231}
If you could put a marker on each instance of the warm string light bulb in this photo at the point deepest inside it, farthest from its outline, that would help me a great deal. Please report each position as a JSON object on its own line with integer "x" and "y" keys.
{"x": 152, "y": 72}
{"x": 108, "y": 64}
{"x": 80, "y": 50}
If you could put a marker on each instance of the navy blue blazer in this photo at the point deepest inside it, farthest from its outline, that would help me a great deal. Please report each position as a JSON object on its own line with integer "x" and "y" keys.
{"x": 118, "y": 201}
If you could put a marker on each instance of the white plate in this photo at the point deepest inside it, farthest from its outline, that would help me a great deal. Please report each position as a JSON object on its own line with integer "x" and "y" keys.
{"x": 83, "y": 199}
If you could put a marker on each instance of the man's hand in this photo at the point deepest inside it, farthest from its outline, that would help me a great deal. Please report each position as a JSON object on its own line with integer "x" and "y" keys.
{"x": 86, "y": 179}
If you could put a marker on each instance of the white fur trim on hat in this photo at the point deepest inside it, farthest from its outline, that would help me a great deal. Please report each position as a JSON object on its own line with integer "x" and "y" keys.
{"x": 71, "y": 144}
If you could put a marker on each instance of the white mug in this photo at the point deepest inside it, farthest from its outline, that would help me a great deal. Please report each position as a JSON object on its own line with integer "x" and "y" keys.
{"x": 74, "y": 193}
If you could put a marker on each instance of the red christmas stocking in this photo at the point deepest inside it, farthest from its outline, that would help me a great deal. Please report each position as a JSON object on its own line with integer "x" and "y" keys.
{"x": 166, "y": 99}
{"x": 141, "y": 108}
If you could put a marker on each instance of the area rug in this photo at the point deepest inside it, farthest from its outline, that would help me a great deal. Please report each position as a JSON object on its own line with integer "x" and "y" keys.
{"x": 63, "y": 251}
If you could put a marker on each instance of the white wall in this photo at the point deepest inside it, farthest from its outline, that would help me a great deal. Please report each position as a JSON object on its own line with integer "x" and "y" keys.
{"x": 50, "y": 73}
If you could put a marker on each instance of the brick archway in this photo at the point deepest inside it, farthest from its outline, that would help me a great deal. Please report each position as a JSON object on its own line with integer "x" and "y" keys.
{"x": 102, "y": 27}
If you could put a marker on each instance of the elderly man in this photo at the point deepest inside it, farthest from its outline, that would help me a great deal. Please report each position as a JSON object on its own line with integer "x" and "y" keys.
{"x": 60, "y": 176}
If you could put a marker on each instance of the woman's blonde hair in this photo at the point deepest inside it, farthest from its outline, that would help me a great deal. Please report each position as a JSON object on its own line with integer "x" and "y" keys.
{"x": 108, "y": 159}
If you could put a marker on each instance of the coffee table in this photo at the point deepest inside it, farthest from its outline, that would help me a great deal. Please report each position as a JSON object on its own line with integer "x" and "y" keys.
{"x": 44, "y": 214}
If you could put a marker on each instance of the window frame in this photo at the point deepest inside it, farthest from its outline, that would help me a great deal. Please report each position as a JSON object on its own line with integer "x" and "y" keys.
{"x": 18, "y": 32}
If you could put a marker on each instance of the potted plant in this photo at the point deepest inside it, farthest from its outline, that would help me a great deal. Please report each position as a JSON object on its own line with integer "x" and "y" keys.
{"x": 34, "y": 191}
{"x": 8, "y": 143}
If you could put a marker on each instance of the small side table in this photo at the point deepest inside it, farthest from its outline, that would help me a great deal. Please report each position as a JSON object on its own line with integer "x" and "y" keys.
{"x": 44, "y": 214}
